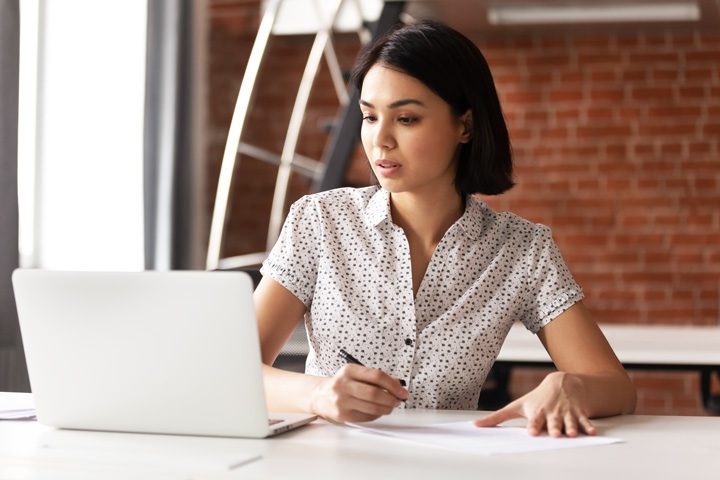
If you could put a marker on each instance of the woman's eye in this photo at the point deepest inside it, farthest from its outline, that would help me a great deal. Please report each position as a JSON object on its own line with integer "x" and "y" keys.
{"x": 368, "y": 118}
{"x": 408, "y": 120}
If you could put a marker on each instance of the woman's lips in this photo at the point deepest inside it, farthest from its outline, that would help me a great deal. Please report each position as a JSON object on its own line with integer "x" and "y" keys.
{"x": 387, "y": 167}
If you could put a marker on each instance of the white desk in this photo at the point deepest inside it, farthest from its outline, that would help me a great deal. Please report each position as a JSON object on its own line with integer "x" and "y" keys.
{"x": 657, "y": 447}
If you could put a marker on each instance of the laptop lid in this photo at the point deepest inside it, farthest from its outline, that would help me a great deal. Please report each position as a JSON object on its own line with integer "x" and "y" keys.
{"x": 157, "y": 352}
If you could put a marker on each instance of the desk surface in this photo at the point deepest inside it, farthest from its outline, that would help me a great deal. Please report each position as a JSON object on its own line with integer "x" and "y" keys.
{"x": 633, "y": 344}
{"x": 658, "y": 447}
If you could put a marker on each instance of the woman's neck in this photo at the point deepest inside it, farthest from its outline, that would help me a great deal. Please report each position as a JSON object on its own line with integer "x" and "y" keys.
{"x": 426, "y": 216}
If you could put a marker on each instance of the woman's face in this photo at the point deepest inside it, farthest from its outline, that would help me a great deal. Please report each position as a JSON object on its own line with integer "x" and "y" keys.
{"x": 409, "y": 134}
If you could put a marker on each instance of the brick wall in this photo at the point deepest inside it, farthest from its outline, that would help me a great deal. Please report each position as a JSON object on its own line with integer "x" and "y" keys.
{"x": 616, "y": 143}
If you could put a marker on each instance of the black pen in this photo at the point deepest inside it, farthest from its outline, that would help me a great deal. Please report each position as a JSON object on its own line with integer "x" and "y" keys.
{"x": 350, "y": 359}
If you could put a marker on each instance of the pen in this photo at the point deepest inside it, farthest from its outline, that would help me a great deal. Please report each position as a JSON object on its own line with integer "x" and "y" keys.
{"x": 350, "y": 359}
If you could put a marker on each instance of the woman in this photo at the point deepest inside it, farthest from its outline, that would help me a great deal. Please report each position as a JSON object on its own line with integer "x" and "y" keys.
{"x": 418, "y": 279}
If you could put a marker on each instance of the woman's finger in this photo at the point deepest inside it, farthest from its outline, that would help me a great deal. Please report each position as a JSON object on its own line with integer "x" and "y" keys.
{"x": 508, "y": 412}
{"x": 367, "y": 408}
{"x": 372, "y": 394}
{"x": 586, "y": 425}
{"x": 353, "y": 416}
{"x": 571, "y": 424}
{"x": 536, "y": 423}
{"x": 376, "y": 377}
{"x": 554, "y": 424}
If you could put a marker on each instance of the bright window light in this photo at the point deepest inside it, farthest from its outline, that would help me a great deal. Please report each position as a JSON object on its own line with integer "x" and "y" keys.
{"x": 81, "y": 138}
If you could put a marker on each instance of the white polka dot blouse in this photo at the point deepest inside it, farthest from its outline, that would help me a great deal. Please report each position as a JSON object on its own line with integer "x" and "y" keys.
{"x": 340, "y": 253}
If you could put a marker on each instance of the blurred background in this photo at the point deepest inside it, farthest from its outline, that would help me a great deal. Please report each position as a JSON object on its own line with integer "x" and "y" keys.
{"x": 125, "y": 107}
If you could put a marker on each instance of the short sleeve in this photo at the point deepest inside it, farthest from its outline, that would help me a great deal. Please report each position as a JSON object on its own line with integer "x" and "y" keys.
{"x": 293, "y": 261}
{"x": 551, "y": 288}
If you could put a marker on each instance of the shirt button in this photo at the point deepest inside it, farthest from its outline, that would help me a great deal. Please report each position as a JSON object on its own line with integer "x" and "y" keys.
{"x": 408, "y": 342}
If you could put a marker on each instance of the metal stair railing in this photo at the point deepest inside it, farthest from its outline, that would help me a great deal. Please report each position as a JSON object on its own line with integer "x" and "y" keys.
{"x": 289, "y": 160}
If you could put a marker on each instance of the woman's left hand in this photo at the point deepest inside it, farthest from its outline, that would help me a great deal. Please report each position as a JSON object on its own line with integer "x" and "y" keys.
{"x": 557, "y": 405}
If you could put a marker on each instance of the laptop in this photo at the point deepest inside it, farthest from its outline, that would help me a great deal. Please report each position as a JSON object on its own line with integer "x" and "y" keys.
{"x": 153, "y": 352}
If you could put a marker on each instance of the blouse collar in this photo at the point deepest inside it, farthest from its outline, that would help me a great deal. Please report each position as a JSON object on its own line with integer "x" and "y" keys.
{"x": 471, "y": 221}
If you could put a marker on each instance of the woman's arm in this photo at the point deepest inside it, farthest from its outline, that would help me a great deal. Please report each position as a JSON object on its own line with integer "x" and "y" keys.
{"x": 590, "y": 381}
{"x": 354, "y": 394}
{"x": 577, "y": 346}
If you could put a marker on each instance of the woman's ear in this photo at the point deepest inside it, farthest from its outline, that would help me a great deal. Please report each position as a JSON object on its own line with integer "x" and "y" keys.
{"x": 467, "y": 124}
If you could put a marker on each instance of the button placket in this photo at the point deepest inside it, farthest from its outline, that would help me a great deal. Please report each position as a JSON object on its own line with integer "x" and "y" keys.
{"x": 408, "y": 327}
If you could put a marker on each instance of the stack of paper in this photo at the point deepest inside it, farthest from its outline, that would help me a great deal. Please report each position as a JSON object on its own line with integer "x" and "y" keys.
{"x": 17, "y": 406}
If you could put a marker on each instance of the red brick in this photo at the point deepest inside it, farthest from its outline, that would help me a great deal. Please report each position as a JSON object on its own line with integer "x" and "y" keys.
{"x": 707, "y": 38}
{"x": 674, "y": 111}
{"x": 627, "y": 40}
{"x": 669, "y": 148}
{"x": 698, "y": 74}
{"x": 631, "y": 239}
{"x": 699, "y": 147}
{"x": 563, "y": 113}
{"x": 703, "y": 56}
{"x": 612, "y": 95}
{"x": 604, "y": 131}
{"x": 643, "y": 149}
{"x": 684, "y": 40}
{"x": 648, "y": 183}
{"x": 590, "y": 184}
{"x": 583, "y": 240}
{"x": 647, "y": 93}
{"x": 705, "y": 183}
{"x": 599, "y": 58}
{"x": 634, "y": 221}
{"x": 601, "y": 42}
{"x": 603, "y": 76}
{"x": 634, "y": 76}
{"x": 546, "y": 60}
{"x": 666, "y": 129}
{"x": 711, "y": 129}
{"x": 535, "y": 77}
{"x": 698, "y": 277}
{"x": 618, "y": 185}
{"x": 647, "y": 277}
{"x": 565, "y": 95}
{"x": 694, "y": 239}
{"x": 660, "y": 382}
{"x": 599, "y": 112}
{"x": 570, "y": 77}
{"x": 665, "y": 75}
{"x": 623, "y": 295}
{"x": 653, "y": 295}
{"x": 653, "y": 58}
{"x": 689, "y": 258}
{"x": 524, "y": 97}
{"x": 691, "y": 92}
{"x": 668, "y": 220}
{"x": 553, "y": 133}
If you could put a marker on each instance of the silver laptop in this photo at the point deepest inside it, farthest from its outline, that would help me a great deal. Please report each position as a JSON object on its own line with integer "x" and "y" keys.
{"x": 155, "y": 352}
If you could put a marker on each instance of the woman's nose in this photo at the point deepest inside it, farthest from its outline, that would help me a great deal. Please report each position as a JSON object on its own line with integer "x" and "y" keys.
{"x": 383, "y": 137}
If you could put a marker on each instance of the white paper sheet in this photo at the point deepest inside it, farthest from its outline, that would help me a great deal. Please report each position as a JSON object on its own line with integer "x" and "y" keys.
{"x": 466, "y": 437}
{"x": 17, "y": 406}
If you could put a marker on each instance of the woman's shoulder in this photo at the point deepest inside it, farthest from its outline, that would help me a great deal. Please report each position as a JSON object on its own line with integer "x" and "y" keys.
{"x": 509, "y": 224}
{"x": 347, "y": 199}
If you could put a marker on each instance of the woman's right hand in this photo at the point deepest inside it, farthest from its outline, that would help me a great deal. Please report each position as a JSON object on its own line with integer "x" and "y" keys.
{"x": 356, "y": 394}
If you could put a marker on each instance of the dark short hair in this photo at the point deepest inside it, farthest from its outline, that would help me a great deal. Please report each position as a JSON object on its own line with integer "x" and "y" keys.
{"x": 453, "y": 67}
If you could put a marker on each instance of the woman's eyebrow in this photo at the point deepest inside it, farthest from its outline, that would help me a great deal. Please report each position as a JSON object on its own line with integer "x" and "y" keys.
{"x": 395, "y": 104}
